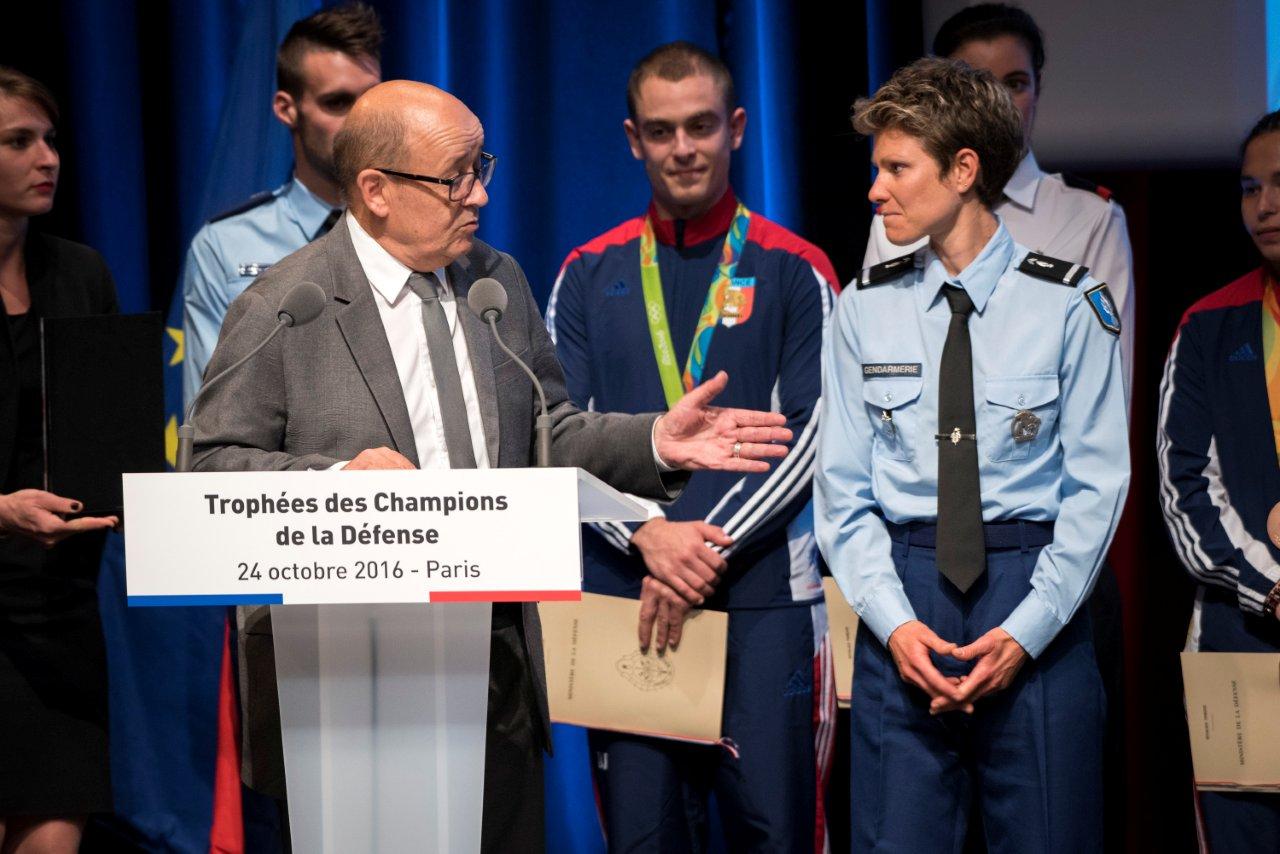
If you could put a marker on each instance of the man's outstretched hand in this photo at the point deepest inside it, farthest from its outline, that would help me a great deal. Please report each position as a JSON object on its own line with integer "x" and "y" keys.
{"x": 696, "y": 435}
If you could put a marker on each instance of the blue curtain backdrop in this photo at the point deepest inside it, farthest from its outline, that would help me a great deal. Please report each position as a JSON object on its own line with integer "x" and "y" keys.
{"x": 167, "y": 121}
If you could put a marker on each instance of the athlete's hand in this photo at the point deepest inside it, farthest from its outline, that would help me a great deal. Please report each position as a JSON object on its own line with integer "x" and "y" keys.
{"x": 677, "y": 554}
{"x": 662, "y": 613}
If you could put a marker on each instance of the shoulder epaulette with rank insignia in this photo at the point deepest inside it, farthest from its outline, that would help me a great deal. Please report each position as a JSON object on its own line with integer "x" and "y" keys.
{"x": 1053, "y": 270}
{"x": 1076, "y": 182}
{"x": 248, "y": 204}
{"x": 886, "y": 271}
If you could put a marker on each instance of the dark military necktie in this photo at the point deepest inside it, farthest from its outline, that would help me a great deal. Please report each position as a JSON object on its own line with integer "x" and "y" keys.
{"x": 961, "y": 547}
{"x": 328, "y": 223}
{"x": 444, "y": 369}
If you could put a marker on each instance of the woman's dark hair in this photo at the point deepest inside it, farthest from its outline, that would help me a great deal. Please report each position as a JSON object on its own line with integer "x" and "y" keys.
{"x": 987, "y": 21}
{"x": 1270, "y": 123}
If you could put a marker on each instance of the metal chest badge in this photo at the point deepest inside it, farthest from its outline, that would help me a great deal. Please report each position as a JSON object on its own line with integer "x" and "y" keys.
{"x": 1026, "y": 426}
{"x": 886, "y": 417}
{"x": 738, "y": 300}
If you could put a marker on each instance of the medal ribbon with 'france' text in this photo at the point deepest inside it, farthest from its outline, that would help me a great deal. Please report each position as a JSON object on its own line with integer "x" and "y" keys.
{"x": 674, "y": 384}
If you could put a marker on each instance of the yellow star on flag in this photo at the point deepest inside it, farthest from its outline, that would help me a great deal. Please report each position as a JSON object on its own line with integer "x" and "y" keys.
{"x": 179, "y": 349}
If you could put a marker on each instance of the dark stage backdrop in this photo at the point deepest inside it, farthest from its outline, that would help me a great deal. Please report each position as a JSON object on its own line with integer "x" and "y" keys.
{"x": 167, "y": 112}
{"x": 167, "y": 122}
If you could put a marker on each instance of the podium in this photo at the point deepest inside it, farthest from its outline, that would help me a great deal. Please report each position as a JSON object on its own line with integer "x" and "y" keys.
{"x": 380, "y": 586}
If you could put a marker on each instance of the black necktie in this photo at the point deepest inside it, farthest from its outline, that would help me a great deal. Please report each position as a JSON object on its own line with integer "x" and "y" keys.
{"x": 961, "y": 547}
{"x": 444, "y": 370}
{"x": 328, "y": 223}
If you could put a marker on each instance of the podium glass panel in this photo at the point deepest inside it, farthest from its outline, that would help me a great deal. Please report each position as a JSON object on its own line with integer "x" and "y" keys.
{"x": 383, "y": 711}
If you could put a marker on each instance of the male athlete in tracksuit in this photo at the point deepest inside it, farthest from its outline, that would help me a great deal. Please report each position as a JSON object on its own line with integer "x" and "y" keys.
{"x": 640, "y": 315}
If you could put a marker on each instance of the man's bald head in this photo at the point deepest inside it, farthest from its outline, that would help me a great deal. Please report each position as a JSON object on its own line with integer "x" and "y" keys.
{"x": 402, "y": 143}
{"x": 390, "y": 120}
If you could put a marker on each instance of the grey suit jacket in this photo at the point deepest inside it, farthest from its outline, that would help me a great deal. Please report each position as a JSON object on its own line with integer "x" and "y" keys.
{"x": 324, "y": 392}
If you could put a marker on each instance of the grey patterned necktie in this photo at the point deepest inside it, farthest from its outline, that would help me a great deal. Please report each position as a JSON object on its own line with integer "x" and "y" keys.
{"x": 444, "y": 367}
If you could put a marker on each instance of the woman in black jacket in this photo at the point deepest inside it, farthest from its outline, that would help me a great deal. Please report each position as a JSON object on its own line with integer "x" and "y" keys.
{"x": 53, "y": 715}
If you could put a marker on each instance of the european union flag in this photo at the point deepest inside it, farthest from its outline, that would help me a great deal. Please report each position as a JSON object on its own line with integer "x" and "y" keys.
{"x": 174, "y": 758}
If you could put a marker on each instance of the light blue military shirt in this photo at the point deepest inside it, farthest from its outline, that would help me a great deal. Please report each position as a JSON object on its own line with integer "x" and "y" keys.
{"x": 1047, "y": 348}
{"x": 228, "y": 253}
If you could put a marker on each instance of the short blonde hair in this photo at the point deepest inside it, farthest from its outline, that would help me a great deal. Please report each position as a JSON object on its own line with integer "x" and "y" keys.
{"x": 949, "y": 105}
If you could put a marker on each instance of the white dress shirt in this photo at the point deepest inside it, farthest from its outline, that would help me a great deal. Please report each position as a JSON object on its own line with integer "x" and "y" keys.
{"x": 401, "y": 312}
{"x": 1046, "y": 216}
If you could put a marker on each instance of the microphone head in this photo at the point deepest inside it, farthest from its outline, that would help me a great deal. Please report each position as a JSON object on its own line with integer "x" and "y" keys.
{"x": 302, "y": 304}
{"x": 487, "y": 295}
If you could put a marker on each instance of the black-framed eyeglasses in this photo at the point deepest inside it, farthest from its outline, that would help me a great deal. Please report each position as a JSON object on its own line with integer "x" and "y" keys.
{"x": 460, "y": 186}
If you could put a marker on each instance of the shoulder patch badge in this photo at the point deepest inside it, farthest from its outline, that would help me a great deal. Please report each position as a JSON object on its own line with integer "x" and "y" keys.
{"x": 1104, "y": 307}
{"x": 1052, "y": 270}
{"x": 885, "y": 272}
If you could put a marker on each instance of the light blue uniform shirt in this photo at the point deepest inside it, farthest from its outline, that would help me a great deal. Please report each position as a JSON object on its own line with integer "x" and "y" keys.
{"x": 1039, "y": 346}
{"x": 228, "y": 253}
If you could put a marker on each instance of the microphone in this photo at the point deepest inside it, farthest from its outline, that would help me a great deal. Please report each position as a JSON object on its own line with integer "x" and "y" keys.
{"x": 302, "y": 304}
{"x": 487, "y": 296}
{"x": 488, "y": 299}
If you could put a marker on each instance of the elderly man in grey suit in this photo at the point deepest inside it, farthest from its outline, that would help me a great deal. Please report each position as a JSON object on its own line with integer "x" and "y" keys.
{"x": 397, "y": 372}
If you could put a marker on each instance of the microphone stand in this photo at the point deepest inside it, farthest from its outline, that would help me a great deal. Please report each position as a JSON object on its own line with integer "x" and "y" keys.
{"x": 187, "y": 432}
{"x": 542, "y": 424}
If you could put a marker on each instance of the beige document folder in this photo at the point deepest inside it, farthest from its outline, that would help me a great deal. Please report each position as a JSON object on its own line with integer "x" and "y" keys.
{"x": 1233, "y": 714}
{"x": 842, "y": 622}
{"x": 597, "y": 677}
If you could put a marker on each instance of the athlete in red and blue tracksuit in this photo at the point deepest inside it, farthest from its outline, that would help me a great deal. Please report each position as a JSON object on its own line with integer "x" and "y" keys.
{"x": 1219, "y": 479}
{"x": 779, "y": 700}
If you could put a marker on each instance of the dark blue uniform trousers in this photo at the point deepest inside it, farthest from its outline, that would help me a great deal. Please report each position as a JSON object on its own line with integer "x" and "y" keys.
{"x": 1237, "y": 822}
{"x": 654, "y": 792}
{"x": 1029, "y": 758}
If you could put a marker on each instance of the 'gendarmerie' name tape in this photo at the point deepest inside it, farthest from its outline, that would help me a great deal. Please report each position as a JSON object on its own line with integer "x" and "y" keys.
{"x": 887, "y": 369}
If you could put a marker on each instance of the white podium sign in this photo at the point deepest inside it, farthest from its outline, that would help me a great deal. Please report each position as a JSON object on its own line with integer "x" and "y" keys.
{"x": 328, "y": 537}
{"x": 383, "y": 698}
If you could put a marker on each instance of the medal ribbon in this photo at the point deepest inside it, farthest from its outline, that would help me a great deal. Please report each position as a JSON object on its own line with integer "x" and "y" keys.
{"x": 675, "y": 385}
{"x": 1271, "y": 352}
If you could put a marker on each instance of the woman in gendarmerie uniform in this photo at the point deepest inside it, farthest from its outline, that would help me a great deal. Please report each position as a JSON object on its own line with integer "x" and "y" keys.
{"x": 973, "y": 461}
